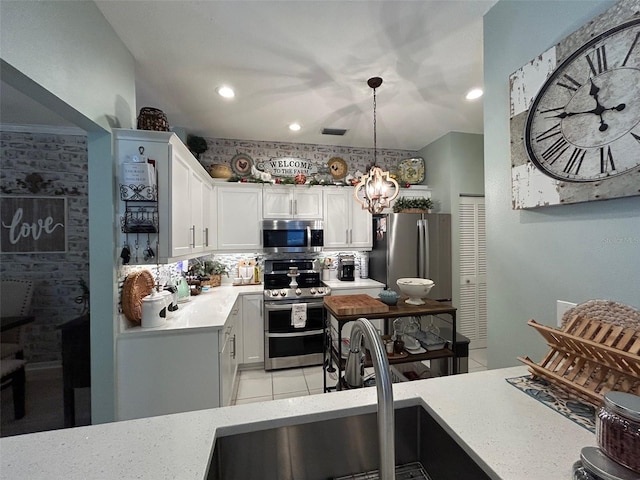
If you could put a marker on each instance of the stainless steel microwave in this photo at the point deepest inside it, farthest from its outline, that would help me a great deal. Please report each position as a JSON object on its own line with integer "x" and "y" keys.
{"x": 292, "y": 236}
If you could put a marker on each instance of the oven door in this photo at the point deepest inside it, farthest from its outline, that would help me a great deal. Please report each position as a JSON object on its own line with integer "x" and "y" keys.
{"x": 286, "y": 346}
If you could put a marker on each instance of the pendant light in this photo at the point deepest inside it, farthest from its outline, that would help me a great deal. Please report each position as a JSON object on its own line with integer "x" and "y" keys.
{"x": 377, "y": 189}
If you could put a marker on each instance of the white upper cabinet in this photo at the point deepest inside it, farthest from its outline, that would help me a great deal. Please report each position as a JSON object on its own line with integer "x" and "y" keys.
{"x": 292, "y": 202}
{"x": 239, "y": 210}
{"x": 346, "y": 225}
{"x": 183, "y": 185}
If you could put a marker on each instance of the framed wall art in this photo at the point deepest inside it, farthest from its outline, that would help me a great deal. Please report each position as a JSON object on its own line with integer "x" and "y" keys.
{"x": 33, "y": 224}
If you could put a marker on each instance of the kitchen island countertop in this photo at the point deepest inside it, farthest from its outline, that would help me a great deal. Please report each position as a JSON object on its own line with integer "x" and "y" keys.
{"x": 513, "y": 435}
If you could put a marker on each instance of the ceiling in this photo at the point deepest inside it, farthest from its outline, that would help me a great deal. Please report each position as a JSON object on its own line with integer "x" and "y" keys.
{"x": 307, "y": 62}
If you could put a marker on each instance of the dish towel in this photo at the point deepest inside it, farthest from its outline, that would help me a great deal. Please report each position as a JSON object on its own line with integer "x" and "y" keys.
{"x": 299, "y": 315}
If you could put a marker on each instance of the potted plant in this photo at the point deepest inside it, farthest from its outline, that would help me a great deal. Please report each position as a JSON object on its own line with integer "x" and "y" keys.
{"x": 210, "y": 272}
{"x": 413, "y": 205}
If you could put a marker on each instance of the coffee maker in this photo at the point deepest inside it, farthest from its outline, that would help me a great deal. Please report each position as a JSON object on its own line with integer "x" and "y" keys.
{"x": 346, "y": 267}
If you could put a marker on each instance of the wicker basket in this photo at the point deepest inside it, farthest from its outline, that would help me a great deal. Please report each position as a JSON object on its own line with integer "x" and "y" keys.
{"x": 136, "y": 286}
{"x": 152, "y": 119}
{"x": 214, "y": 281}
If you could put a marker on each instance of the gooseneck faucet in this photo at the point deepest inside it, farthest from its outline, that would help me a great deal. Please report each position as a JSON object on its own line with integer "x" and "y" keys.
{"x": 353, "y": 376}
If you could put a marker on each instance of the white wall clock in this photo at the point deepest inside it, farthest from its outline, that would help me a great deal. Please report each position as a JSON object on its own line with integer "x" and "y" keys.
{"x": 580, "y": 139}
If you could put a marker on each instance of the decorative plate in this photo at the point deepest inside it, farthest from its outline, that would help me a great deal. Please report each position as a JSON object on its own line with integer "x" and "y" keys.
{"x": 338, "y": 168}
{"x": 241, "y": 164}
{"x": 411, "y": 170}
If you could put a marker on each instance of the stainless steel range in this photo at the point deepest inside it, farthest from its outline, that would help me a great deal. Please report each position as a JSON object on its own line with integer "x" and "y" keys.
{"x": 294, "y": 316}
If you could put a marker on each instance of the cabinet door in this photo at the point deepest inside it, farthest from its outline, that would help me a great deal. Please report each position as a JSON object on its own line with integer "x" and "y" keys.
{"x": 180, "y": 221}
{"x": 361, "y": 233}
{"x": 252, "y": 329}
{"x": 307, "y": 202}
{"x": 209, "y": 217}
{"x": 167, "y": 373}
{"x": 196, "y": 212}
{"x": 336, "y": 217}
{"x": 277, "y": 202}
{"x": 239, "y": 217}
{"x": 229, "y": 354}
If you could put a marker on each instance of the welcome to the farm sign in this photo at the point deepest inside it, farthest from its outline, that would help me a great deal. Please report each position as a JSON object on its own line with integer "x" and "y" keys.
{"x": 33, "y": 224}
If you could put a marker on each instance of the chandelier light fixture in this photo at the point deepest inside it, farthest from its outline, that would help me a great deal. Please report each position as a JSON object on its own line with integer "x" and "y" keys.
{"x": 377, "y": 189}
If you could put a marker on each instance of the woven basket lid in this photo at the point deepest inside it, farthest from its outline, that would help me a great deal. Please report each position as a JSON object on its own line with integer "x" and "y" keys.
{"x": 136, "y": 286}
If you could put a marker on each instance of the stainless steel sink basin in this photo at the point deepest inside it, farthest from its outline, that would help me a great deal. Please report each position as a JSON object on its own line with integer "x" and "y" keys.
{"x": 339, "y": 447}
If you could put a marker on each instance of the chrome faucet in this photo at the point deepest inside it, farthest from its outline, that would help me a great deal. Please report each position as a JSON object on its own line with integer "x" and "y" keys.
{"x": 353, "y": 376}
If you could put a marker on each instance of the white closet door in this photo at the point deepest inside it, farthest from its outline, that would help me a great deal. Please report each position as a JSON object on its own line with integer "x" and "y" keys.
{"x": 472, "y": 313}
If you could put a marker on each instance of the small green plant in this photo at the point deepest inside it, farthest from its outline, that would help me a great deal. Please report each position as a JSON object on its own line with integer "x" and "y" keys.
{"x": 208, "y": 267}
{"x": 213, "y": 267}
{"x": 406, "y": 203}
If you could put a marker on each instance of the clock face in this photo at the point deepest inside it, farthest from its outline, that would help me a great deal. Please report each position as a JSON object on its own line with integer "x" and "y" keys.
{"x": 584, "y": 124}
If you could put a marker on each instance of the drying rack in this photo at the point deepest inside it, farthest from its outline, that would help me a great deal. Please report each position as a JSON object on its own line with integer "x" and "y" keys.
{"x": 589, "y": 357}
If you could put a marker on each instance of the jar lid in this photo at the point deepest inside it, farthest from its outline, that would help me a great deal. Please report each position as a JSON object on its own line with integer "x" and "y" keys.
{"x": 598, "y": 464}
{"x": 624, "y": 404}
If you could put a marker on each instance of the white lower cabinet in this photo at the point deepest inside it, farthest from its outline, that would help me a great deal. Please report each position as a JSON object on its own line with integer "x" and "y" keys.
{"x": 168, "y": 371}
{"x": 252, "y": 330}
{"x": 229, "y": 359}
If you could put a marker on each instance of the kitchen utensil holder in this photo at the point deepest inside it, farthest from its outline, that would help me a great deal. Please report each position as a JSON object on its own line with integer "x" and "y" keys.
{"x": 140, "y": 219}
{"x": 589, "y": 358}
{"x": 139, "y": 193}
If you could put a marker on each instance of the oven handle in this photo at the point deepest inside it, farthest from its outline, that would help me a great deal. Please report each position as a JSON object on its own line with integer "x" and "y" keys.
{"x": 275, "y": 306}
{"x": 294, "y": 334}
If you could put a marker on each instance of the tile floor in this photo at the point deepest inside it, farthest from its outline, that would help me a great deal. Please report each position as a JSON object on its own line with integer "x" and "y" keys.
{"x": 258, "y": 385}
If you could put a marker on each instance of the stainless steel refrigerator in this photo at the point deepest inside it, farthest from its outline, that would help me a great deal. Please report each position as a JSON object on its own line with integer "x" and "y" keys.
{"x": 412, "y": 245}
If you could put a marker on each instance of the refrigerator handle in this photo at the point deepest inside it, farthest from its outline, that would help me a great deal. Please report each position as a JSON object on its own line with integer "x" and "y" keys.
{"x": 423, "y": 248}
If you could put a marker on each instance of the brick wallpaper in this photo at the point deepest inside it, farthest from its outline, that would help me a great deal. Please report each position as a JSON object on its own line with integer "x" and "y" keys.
{"x": 60, "y": 161}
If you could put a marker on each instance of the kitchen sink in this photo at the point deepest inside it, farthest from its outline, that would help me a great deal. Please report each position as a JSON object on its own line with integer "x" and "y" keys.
{"x": 339, "y": 447}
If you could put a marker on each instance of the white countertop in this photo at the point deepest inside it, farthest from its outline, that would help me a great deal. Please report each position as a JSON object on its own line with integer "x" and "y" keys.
{"x": 336, "y": 284}
{"x": 210, "y": 309}
{"x": 514, "y": 436}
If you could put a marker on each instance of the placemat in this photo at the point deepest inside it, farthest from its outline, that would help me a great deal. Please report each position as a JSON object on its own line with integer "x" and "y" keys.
{"x": 582, "y": 413}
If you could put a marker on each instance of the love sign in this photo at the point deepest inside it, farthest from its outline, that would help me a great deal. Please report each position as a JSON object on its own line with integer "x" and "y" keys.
{"x": 33, "y": 224}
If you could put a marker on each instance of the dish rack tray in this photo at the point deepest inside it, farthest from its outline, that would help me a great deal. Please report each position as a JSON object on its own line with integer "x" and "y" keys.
{"x": 588, "y": 358}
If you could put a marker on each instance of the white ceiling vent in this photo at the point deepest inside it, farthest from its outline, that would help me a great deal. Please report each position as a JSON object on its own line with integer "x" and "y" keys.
{"x": 334, "y": 131}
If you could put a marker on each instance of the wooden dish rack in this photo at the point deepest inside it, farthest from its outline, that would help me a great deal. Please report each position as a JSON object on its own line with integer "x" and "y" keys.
{"x": 589, "y": 357}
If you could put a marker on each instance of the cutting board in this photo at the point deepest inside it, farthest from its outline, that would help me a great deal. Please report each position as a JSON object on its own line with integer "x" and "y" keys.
{"x": 355, "y": 304}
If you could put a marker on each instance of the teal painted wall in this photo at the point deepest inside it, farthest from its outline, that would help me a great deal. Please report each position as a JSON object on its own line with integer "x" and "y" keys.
{"x": 66, "y": 56}
{"x": 535, "y": 257}
{"x": 454, "y": 166}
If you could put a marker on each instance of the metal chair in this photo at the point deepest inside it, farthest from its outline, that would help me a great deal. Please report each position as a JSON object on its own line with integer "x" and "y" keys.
{"x": 15, "y": 301}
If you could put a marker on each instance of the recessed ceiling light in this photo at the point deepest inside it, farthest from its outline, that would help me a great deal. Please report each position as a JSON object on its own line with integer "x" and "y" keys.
{"x": 474, "y": 93}
{"x": 226, "y": 92}
{"x": 294, "y": 127}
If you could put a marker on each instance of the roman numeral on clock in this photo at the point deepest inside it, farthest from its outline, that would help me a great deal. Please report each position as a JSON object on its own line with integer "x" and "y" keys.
{"x": 606, "y": 160}
{"x": 599, "y": 64}
{"x": 633, "y": 45}
{"x": 575, "y": 162}
{"x": 552, "y": 132}
{"x": 571, "y": 84}
{"x": 555, "y": 150}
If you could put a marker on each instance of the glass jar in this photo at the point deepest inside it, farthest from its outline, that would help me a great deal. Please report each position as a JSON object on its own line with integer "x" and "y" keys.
{"x": 618, "y": 429}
